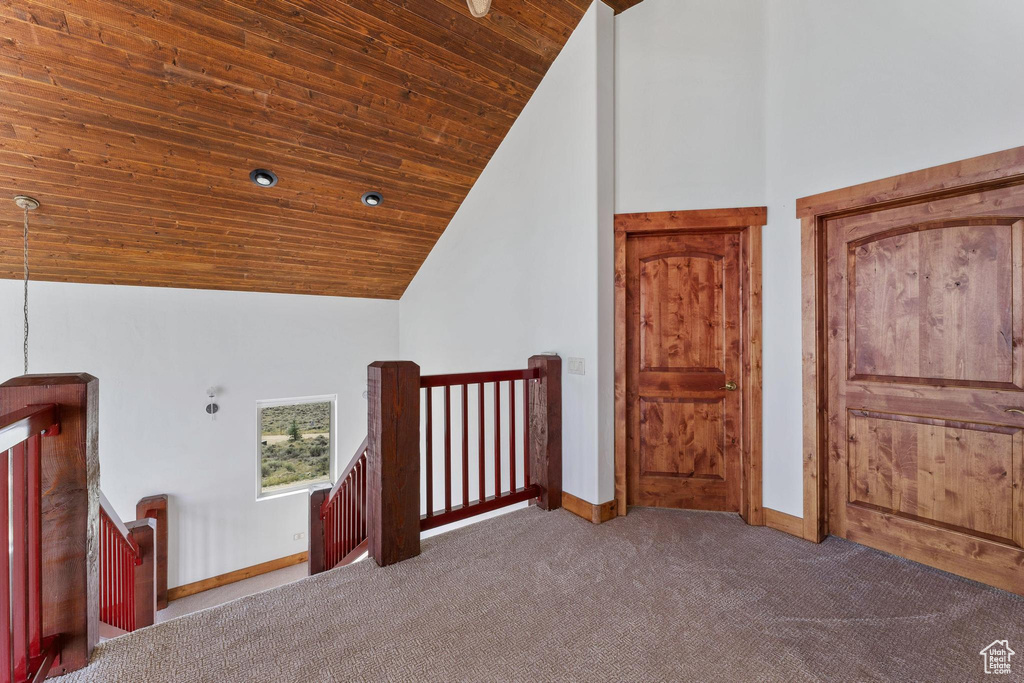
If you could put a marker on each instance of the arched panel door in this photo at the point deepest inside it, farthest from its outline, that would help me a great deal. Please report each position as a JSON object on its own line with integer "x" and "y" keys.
{"x": 683, "y": 350}
{"x": 925, "y": 321}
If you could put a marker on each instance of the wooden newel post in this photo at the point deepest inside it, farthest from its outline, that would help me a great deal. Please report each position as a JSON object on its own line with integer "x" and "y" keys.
{"x": 393, "y": 462}
{"x": 70, "y": 481}
{"x": 144, "y": 533}
{"x": 546, "y": 430}
{"x": 317, "y": 555}
{"x": 155, "y": 507}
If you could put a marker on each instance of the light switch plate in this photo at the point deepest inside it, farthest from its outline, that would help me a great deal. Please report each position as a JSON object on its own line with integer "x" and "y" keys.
{"x": 577, "y": 366}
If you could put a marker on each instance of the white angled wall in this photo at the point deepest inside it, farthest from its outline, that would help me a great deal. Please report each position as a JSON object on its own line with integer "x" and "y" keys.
{"x": 156, "y": 351}
{"x": 525, "y": 266}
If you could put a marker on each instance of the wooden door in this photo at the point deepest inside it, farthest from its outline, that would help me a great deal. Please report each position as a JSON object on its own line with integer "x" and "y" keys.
{"x": 925, "y": 420}
{"x": 683, "y": 347}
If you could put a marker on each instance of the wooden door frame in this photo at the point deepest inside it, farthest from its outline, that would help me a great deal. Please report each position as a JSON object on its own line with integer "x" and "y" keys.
{"x": 1000, "y": 169}
{"x": 748, "y": 222}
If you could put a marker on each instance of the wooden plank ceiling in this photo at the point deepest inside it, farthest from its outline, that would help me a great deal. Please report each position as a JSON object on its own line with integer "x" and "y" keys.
{"x": 136, "y": 124}
{"x": 621, "y": 5}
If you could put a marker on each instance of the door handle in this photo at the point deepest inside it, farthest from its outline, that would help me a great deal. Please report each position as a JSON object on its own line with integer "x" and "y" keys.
{"x": 731, "y": 386}
{"x": 1015, "y": 410}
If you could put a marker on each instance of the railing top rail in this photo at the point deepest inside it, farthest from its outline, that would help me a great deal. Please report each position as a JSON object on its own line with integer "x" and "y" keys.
{"x": 427, "y": 381}
{"x": 21, "y": 424}
{"x": 108, "y": 509}
{"x": 348, "y": 470}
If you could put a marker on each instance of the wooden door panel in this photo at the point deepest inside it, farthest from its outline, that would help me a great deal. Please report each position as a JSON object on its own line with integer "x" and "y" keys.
{"x": 956, "y": 474}
{"x": 681, "y": 312}
{"x": 929, "y": 305}
{"x": 925, "y": 322}
{"x": 684, "y": 443}
{"x": 682, "y": 438}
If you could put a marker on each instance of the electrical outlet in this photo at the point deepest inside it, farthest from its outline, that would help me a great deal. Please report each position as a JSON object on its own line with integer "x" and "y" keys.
{"x": 577, "y": 366}
{"x": 299, "y": 536}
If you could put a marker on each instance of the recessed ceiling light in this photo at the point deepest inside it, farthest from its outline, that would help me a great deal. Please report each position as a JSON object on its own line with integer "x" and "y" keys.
{"x": 373, "y": 199}
{"x": 263, "y": 177}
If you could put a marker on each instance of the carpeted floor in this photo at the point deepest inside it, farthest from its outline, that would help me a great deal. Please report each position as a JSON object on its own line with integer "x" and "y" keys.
{"x": 532, "y": 596}
{"x": 232, "y": 591}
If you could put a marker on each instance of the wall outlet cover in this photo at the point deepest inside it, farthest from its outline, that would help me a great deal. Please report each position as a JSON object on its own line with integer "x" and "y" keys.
{"x": 577, "y": 366}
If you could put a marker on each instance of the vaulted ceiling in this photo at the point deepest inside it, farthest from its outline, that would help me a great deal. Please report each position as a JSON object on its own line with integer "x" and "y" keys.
{"x": 136, "y": 123}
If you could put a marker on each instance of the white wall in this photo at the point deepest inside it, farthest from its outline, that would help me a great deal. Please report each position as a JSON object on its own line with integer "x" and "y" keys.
{"x": 858, "y": 91}
{"x": 155, "y": 352}
{"x": 525, "y": 265}
{"x": 689, "y": 105}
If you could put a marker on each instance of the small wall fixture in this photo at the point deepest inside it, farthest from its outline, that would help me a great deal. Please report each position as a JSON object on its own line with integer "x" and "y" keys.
{"x": 263, "y": 177}
{"x": 373, "y": 199}
{"x": 212, "y": 407}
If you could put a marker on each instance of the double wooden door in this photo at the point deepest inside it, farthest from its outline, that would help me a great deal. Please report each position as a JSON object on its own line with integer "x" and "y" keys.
{"x": 925, "y": 392}
{"x": 684, "y": 369}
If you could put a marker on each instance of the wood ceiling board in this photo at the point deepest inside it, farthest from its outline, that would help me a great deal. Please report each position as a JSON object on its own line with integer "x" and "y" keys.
{"x": 621, "y": 5}
{"x": 136, "y": 123}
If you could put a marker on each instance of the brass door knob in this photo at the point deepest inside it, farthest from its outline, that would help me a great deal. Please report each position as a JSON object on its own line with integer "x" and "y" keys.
{"x": 730, "y": 386}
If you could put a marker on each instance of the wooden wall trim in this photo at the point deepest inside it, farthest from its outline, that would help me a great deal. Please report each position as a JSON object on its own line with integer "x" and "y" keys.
{"x": 597, "y": 514}
{"x": 188, "y": 589}
{"x": 784, "y": 522}
{"x": 999, "y": 169}
{"x": 751, "y": 221}
{"x": 700, "y": 219}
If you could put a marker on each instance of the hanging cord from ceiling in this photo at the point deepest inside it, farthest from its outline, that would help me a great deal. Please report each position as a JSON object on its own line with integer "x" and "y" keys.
{"x": 27, "y": 204}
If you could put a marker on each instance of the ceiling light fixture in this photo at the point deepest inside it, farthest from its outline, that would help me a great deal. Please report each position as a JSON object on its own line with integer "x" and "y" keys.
{"x": 373, "y": 199}
{"x": 479, "y": 8}
{"x": 263, "y": 177}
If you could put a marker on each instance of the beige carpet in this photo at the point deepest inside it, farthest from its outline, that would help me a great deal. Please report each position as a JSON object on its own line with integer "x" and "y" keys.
{"x": 232, "y": 591}
{"x": 533, "y": 596}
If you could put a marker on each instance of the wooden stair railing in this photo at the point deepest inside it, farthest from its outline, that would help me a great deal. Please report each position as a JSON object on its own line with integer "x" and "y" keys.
{"x": 127, "y": 570}
{"x": 337, "y": 518}
{"x": 375, "y": 506}
{"x": 27, "y": 651}
{"x": 63, "y": 534}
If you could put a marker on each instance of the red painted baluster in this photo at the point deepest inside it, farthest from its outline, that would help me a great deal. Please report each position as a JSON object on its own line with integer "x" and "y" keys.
{"x": 362, "y": 485}
{"x": 447, "y": 448}
{"x": 35, "y": 549}
{"x": 124, "y": 581}
{"x": 430, "y": 453}
{"x": 329, "y": 536}
{"x": 118, "y": 585}
{"x": 131, "y": 593}
{"x": 19, "y": 566}
{"x": 497, "y": 439}
{"x": 335, "y": 526}
{"x": 103, "y": 591}
{"x": 480, "y": 437}
{"x": 356, "y": 521}
{"x": 512, "y": 436}
{"x": 526, "y": 432}
{"x": 465, "y": 445}
{"x": 6, "y": 663}
{"x": 348, "y": 520}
